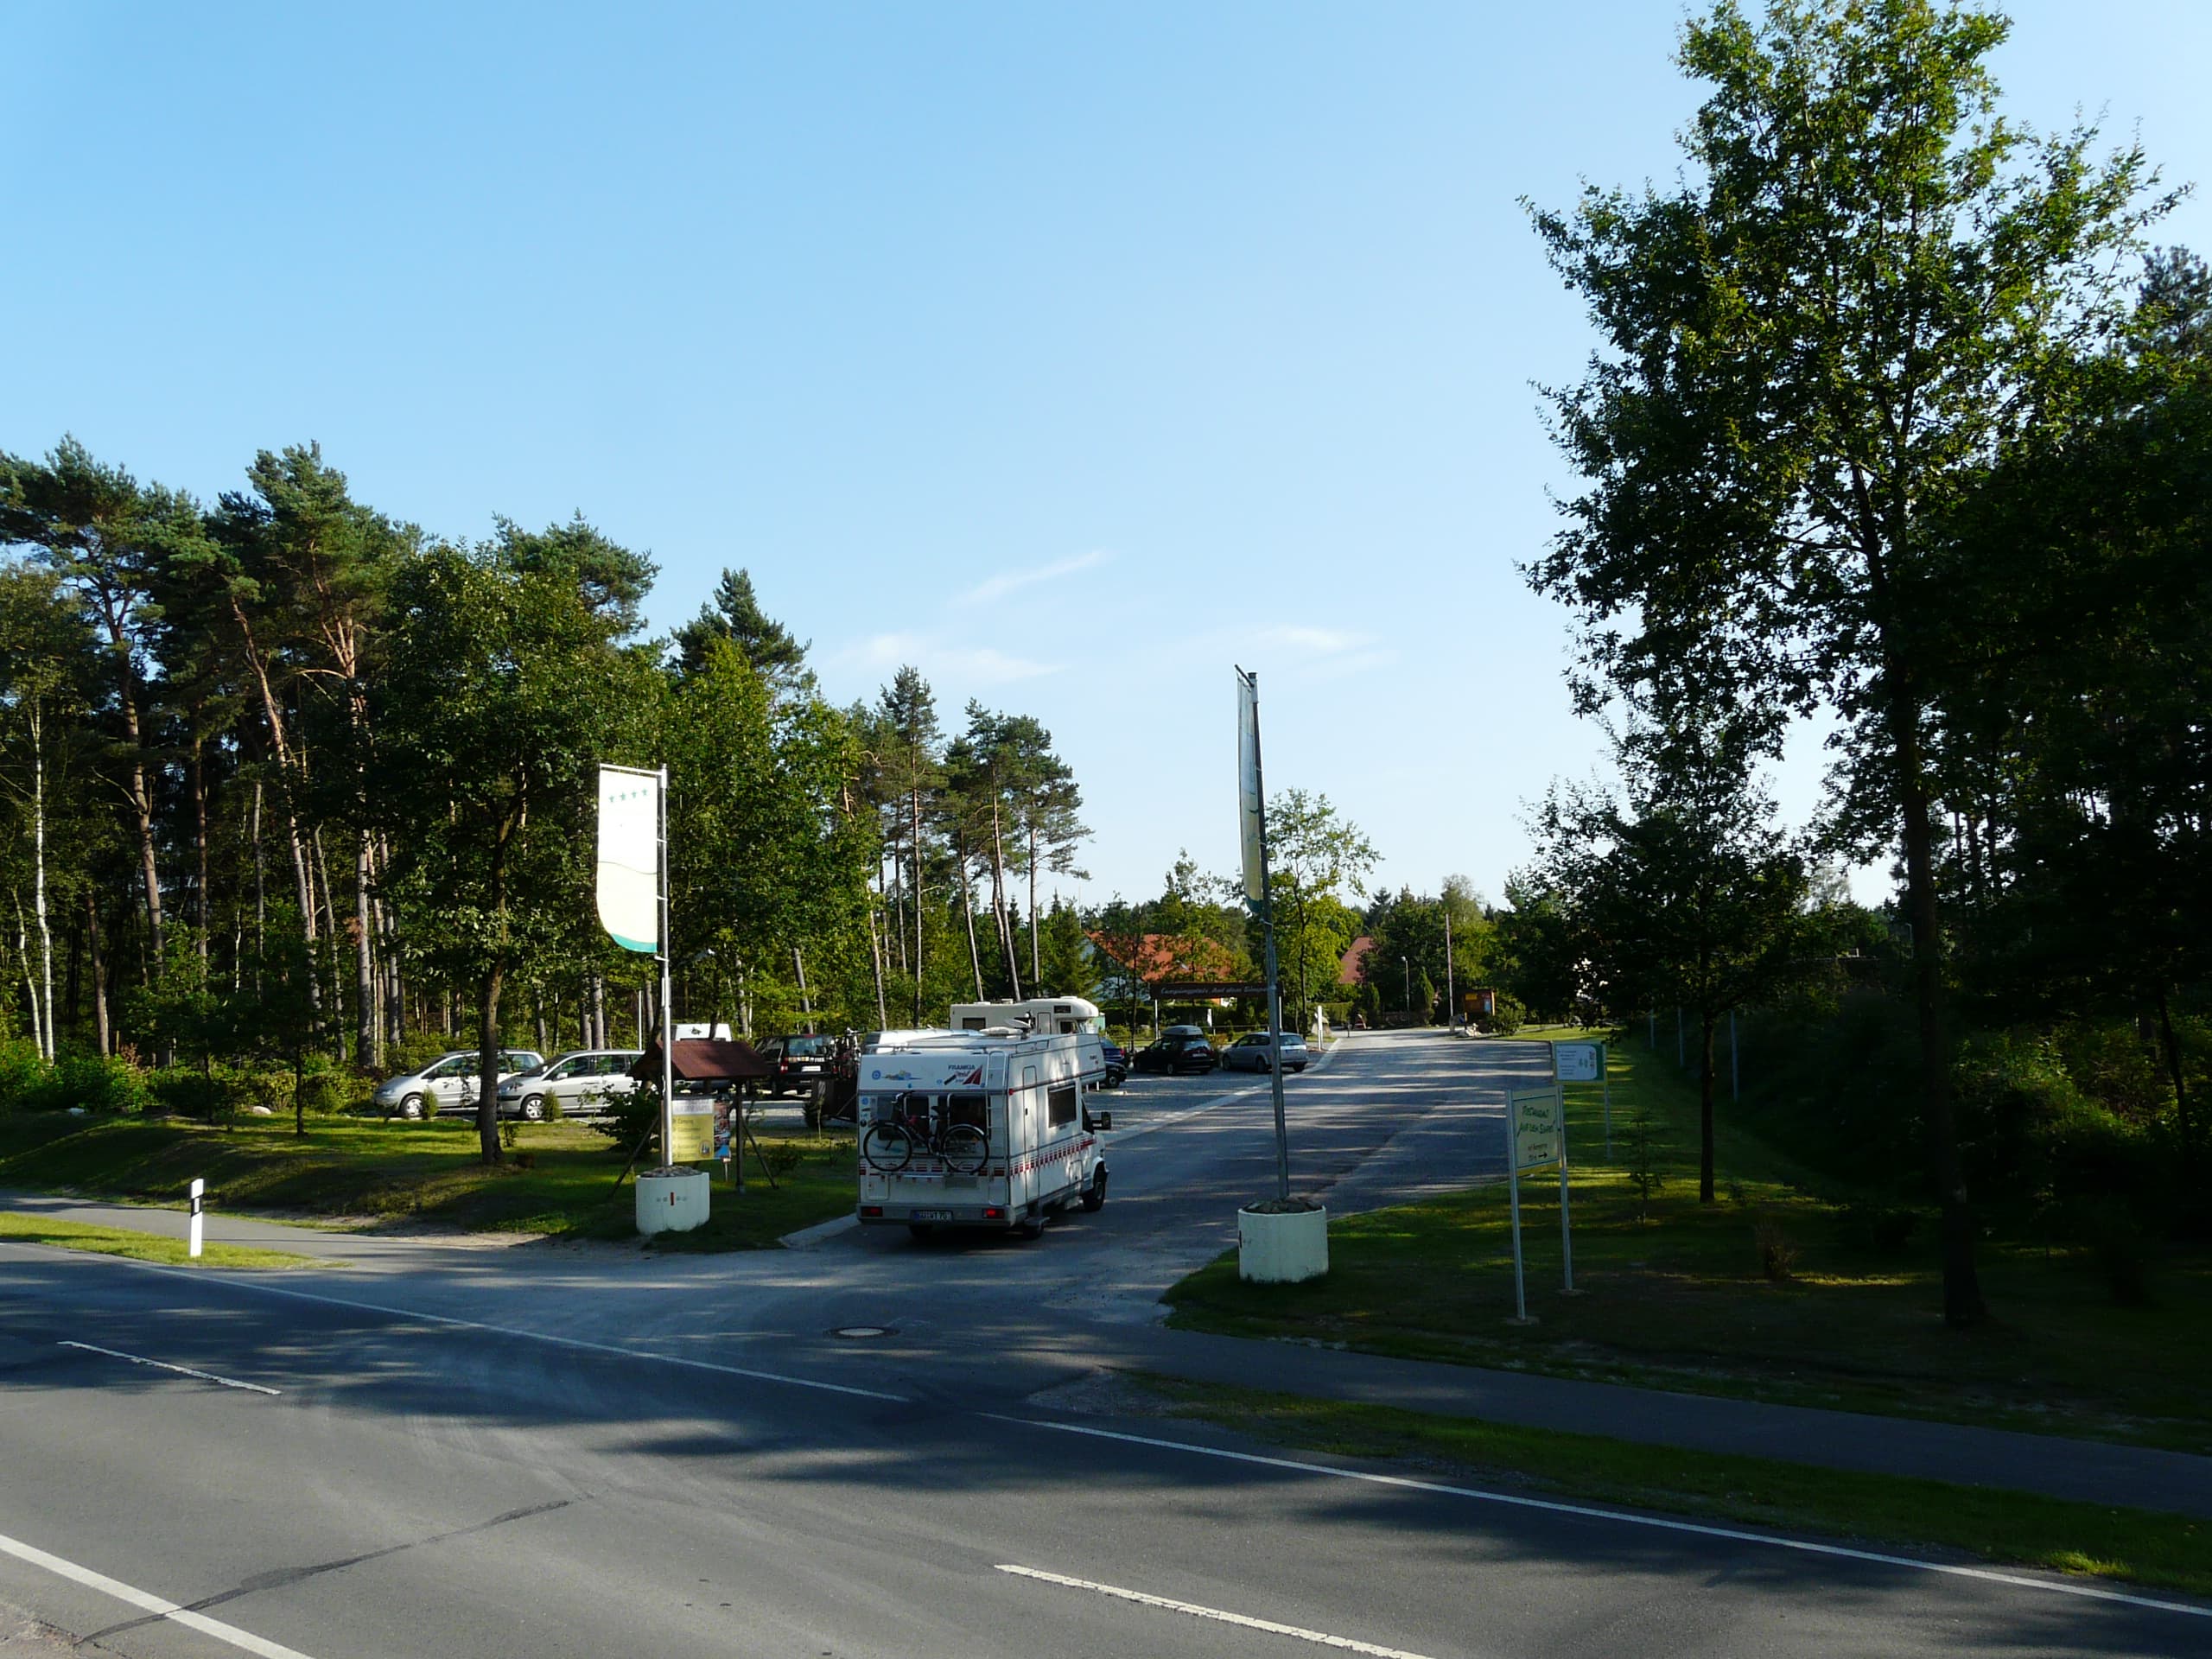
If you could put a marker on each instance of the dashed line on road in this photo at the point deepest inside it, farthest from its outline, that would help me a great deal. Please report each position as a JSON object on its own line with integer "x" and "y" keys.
{"x": 164, "y": 1365}
{"x": 146, "y": 1602}
{"x": 1731, "y": 1535}
{"x": 1197, "y": 1611}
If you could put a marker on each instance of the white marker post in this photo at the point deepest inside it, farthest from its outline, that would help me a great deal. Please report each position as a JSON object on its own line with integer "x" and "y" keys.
{"x": 1535, "y": 1136}
{"x": 198, "y": 1191}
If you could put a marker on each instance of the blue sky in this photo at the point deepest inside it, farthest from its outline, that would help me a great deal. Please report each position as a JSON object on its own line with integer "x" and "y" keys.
{"x": 1073, "y": 353}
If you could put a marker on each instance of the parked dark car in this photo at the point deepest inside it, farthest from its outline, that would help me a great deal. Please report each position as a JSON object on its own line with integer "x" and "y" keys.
{"x": 801, "y": 1060}
{"x": 1117, "y": 1065}
{"x": 1177, "y": 1054}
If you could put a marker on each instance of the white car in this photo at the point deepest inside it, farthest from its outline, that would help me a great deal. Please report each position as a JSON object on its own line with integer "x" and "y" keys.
{"x": 448, "y": 1083}
{"x": 579, "y": 1081}
{"x": 1255, "y": 1053}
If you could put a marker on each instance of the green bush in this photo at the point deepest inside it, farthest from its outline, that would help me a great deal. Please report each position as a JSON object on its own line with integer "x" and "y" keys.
{"x": 1507, "y": 1015}
{"x": 99, "y": 1082}
{"x": 186, "y": 1091}
{"x": 2028, "y": 1133}
{"x": 93, "y": 1083}
{"x": 24, "y": 1076}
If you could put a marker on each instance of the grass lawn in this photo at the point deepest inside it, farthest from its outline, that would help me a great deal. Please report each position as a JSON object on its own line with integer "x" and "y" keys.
{"x": 369, "y": 1169}
{"x": 140, "y": 1247}
{"x": 1678, "y": 1299}
{"x": 2171, "y": 1551}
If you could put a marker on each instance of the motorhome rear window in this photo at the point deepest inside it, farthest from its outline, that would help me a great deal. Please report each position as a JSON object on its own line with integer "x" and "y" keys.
{"x": 972, "y": 1109}
{"x": 1060, "y": 1104}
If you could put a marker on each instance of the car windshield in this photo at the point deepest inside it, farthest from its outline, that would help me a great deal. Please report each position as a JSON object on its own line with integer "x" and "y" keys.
{"x": 806, "y": 1046}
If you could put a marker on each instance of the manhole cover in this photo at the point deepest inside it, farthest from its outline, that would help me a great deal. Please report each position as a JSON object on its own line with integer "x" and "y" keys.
{"x": 858, "y": 1333}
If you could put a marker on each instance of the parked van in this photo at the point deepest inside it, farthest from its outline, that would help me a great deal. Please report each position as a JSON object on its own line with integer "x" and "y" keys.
{"x": 979, "y": 1128}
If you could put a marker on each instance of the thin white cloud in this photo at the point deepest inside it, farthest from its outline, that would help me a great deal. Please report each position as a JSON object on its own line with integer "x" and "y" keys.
{"x": 945, "y": 658}
{"x": 1012, "y": 582}
{"x": 996, "y": 668}
{"x": 1329, "y": 642}
{"x": 880, "y": 651}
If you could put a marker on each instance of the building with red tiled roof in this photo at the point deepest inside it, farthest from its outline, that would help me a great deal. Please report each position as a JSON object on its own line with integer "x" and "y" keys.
{"x": 1355, "y": 959}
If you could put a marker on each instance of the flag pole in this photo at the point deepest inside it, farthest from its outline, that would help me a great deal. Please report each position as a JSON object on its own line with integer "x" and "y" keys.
{"x": 667, "y": 994}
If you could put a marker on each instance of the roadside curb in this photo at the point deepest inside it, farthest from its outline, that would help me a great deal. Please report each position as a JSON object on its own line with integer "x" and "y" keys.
{"x": 820, "y": 1233}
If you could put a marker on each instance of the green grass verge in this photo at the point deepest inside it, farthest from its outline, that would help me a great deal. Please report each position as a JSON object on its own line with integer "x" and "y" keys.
{"x": 139, "y": 1246}
{"x": 2173, "y": 1552}
{"x": 1677, "y": 1297}
{"x": 430, "y": 1173}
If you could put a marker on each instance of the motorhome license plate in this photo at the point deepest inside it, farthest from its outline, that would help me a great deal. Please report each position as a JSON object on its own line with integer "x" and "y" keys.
{"x": 929, "y": 1215}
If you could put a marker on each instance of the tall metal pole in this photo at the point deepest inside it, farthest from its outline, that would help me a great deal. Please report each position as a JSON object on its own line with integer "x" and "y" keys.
{"x": 1275, "y": 977}
{"x": 667, "y": 998}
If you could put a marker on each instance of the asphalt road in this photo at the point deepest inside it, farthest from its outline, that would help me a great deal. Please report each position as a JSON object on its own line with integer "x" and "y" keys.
{"x": 674, "y": 1457}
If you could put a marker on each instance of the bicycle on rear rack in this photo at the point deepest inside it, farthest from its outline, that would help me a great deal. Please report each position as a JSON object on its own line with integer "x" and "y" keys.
{"x": 916, "y": 1127}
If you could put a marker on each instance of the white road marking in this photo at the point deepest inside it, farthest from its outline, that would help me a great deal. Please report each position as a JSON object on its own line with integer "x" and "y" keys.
{"x": 1198, "y": 1612}
{"x": 1733, "y": 1534}
{"x": 164, "y": 1365}
{"x": 578, "y": 1342}
{"x": 1122, "y": 1137}
{"x": 146, "y": 1602}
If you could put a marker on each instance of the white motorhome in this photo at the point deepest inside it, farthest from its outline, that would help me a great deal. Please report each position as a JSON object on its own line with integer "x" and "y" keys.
{"x": 1038, "y": 1014}
{"x": 978, "y": 1129}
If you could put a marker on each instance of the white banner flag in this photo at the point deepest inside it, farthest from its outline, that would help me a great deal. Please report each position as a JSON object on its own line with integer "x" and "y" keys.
{"x": 1249, "y": 806}
{"x": 629, "y": 857}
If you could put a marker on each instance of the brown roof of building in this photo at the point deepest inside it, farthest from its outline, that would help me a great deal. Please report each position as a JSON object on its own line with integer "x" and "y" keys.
{"x": 704, "y": 1059}
{"x": 1355, "y": 956}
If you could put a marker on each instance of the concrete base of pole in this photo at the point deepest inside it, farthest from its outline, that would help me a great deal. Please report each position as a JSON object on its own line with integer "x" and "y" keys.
{"x": 1286, "y": 1248}
{"x": 671, "y": 1200}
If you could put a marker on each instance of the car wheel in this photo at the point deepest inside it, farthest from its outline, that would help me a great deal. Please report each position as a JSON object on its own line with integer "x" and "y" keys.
{"x": 533, "y": 1108}
{"x": 1094, "y": 1200}
{"x": 411, "y": 1106}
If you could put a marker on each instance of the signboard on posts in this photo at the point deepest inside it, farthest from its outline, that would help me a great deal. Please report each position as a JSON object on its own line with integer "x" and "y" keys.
{"x": 1538, "y": 1130}
{"x": 1578, "y": 1062}
{"x": 1535, "y": 1133}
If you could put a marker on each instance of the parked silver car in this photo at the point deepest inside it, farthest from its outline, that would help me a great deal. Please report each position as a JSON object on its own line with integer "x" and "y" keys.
{"x": 448, "y": 1083}
{"x": 1254, "y": 1052}
{"x": 581, "y": 1081}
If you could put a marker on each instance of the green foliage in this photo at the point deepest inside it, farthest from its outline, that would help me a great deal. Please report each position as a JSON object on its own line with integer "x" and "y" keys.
{"x": 1506, "y": 1016}
{"x": 1866, "y": 286}
{"x": 92, "y": 1083}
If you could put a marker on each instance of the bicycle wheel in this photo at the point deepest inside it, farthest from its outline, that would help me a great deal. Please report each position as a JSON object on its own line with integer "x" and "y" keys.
{"x": 964, "y": 1149}
{"x": 887, "y": 1148}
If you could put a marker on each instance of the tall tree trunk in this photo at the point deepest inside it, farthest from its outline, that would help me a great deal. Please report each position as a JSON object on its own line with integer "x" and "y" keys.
{"x": 100, "y": 1033}
{"x": 968, "y": 913}
{"x": 998, "y": 898}
{"x": 38, "y": 831}
{"x": 260, "y": 895}
{"x": 202, "y": 920}
{"x": 1036, "y": 960}
{"x": 330, "y": 940}
{"x": 369, "y": 1052}
{"x": 2173, "y": 1070}
{"x": 1962, "y": 1301}
{"x": 917, "y": 801}
{"x": 30, "y": 980}
{"x": 142, "y": 804}
{"x": 488, "y": 1063}
{"x": 1705, "y": 1158}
